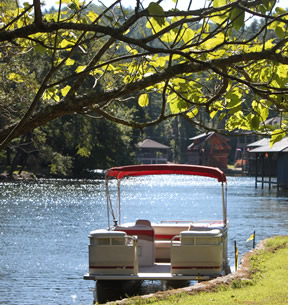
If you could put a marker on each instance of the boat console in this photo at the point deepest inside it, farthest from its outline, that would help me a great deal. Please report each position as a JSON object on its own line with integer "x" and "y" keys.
{"x": 144, "y": 232}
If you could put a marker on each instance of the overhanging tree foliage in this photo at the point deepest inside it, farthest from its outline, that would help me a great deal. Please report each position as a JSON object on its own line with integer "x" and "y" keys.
{"x": 195, "y": 60}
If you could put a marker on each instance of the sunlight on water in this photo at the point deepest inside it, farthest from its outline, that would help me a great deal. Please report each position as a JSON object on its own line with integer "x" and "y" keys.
{"x": 169, "y": 197}
{"x": 44, "y": 227}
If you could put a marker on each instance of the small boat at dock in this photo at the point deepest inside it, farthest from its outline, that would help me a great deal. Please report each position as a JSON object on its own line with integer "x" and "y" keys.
{"x": 170, "y": 250}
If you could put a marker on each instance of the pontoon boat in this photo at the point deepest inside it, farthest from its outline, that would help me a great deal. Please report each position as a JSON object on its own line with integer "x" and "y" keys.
{"x": 168, "y": 250}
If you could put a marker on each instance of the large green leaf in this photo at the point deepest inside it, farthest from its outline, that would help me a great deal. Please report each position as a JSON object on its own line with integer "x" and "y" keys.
{"x": 218, "y": 3}
{"x": 215, "y": 41}
{"x": 219, "y": 17}
{"x": 255, "y": 122}
{"x": 143, "y": 100}
{"x": 65, "y": 90}
{"x": 69, "y": 62}
{"x": 268, "y": 4}
{"x": 158, "y": 13}
{"x": 188, "y": 35}
{"x": 262, "y": 109}
{"x": 237, "y": 17}
{"x": 276, "y": 136}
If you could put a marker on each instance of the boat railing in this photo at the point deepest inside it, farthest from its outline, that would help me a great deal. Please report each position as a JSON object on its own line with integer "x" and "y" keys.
{"x": 176, "y": 221}
{"x": 210, "y": 221}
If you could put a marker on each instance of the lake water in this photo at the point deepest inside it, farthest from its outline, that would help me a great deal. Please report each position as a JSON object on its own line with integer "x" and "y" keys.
{"x": 44, "y": 227}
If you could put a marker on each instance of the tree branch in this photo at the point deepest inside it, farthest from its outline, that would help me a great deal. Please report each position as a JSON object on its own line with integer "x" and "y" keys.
{"x": 76, "y": 104}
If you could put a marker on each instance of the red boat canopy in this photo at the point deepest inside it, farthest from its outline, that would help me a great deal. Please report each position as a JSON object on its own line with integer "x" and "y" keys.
{"x": 164, "y": 169}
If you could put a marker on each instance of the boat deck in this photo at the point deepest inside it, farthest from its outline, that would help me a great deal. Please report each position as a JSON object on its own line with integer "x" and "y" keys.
{"x": 159, "y": 271}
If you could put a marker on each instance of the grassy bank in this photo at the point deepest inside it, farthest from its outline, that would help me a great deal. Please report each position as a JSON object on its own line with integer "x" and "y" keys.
{"x": 267, "y": 283}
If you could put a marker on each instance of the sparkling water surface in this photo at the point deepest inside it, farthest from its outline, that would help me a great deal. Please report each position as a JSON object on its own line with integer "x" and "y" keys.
{"x": 44, "y": 226}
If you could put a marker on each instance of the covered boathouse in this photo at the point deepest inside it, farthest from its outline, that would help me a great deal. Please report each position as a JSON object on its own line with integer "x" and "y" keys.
{"x": 270, "y": 163}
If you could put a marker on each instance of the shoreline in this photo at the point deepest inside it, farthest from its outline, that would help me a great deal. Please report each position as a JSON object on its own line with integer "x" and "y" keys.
{"x": 243, "y": 273}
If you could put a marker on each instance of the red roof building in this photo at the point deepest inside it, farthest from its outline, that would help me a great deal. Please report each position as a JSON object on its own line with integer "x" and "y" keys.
{"x": 209, "y": 149}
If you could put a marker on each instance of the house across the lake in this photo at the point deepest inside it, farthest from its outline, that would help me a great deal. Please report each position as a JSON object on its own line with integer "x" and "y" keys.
{"x": 210, "y": 149}
{"x": 152, "y": 152}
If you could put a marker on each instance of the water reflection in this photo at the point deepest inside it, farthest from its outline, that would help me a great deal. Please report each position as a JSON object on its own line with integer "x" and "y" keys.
{"x": 44, "y": 227}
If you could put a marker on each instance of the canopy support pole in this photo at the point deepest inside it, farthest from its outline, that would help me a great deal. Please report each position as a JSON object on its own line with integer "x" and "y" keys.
{"x": 224, "y": 202}
{"x": 119, "y": 216}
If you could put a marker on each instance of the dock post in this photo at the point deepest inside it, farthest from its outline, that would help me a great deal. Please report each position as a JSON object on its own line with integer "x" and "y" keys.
{"x": 270, "y": 163}
{"x": 256, "y": 170}
{"x": 263, "y": 160}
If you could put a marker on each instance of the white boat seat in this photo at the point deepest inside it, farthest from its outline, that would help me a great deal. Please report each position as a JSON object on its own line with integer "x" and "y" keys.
{"x": 202, "y": 233}
{"x": 112, "y": 252}
{"x": 199, "y": 252}
{"x": 198, "y": 237}
{"x": 104, "y": 237}
{"x": 105, "y": 233}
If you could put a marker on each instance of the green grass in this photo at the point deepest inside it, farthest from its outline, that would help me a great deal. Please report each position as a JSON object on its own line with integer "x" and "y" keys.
{"x": 267, "y": 286}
